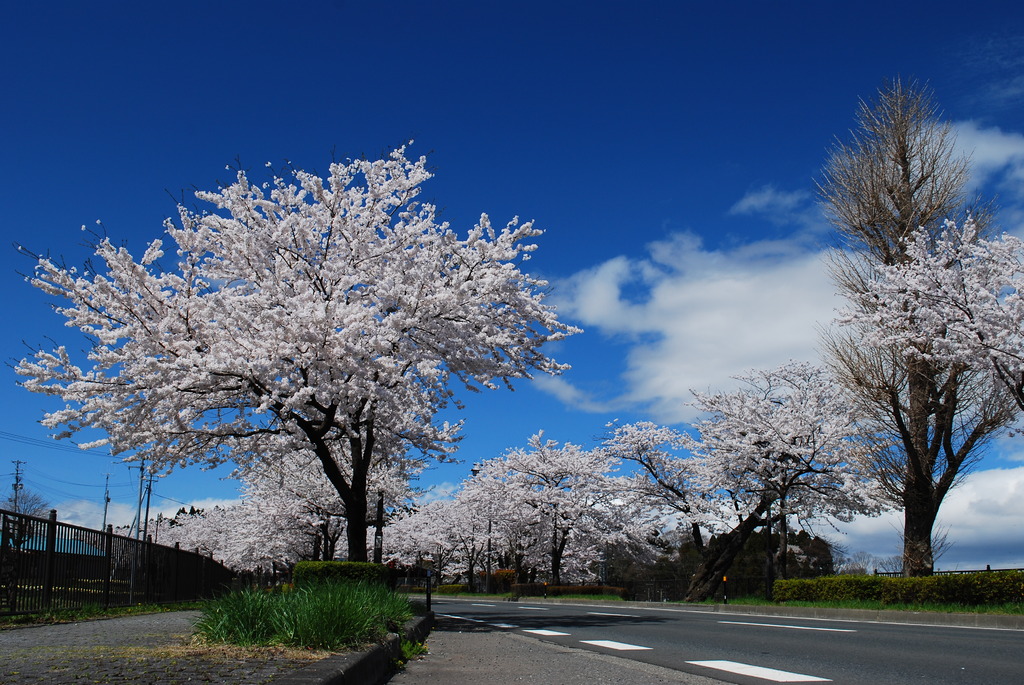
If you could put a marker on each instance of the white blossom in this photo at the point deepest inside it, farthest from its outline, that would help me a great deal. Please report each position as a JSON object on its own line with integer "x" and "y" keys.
{"x": 328, "y": 316}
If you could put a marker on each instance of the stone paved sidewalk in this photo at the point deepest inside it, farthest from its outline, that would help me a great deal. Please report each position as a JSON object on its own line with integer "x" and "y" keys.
{"x": 151, "y": 648}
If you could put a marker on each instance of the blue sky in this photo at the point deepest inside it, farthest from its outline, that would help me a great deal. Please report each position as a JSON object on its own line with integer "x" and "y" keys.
{"x": 669, "y": 150}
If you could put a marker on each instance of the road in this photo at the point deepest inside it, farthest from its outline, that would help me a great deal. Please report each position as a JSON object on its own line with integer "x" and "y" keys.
{"x": 754, "y": 650}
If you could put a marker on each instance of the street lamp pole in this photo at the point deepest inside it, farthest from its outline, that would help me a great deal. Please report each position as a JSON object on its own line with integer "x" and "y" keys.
{"x": 378, "y": 535}
{"x": 488, "y": 583}
{"x": 487, "y": 561}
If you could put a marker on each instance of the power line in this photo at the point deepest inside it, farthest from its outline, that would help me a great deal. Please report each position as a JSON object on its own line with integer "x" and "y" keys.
{"x": 80, "y": 485}
{"x": 50, "y": 445}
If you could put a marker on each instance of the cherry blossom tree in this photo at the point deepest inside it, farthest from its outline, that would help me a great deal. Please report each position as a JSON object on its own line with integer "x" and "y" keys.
{"x": 546, "y": 505}
{"x": 786, "y": 443}
{"x": 333, "y": 316}
{"x": 570, "y": 498}
{"x": 436, "y": 531}
{"x": 288, "y": 512}
{"x": 956, "y": 298}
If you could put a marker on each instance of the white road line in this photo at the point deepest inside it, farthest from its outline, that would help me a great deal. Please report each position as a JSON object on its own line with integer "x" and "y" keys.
{"x": 536, "y": 608}
{"x": 602, "y": 613}
{"x": 483, "y": 605}
{"x": 779, "y": 625}
{"x": 611, "y": 644}
{"x": 545, "y": 632}
{"x": 759, "y": 672}
{"x": 478, "y": 620}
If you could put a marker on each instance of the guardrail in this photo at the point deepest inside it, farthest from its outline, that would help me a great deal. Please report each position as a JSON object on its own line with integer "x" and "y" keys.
{"x": 47, "y": 565}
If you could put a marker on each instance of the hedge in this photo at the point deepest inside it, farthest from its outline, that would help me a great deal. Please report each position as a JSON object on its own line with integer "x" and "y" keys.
{"x": 306, "y": 572}
{"x": 542, "y": 589}
{"x": 451, "y": 589}
{"x": 968, "y": 589}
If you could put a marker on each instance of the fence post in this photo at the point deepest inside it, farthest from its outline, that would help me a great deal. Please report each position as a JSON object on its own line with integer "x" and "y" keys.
{"x": 50, "y": 558}
{"x": 108, "y": 552}
{"x": 148, "y": 565}
{"x": 174, "y": 571}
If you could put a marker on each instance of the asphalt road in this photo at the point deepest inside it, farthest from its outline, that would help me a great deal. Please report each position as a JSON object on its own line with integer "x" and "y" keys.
{"x": 732, "y": 647}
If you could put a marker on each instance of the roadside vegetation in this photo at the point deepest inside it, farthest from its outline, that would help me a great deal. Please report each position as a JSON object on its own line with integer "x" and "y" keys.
{"x": 326, "y": 616}
{"x": 93, "y": 611}
{"x": 998, "y": 592}
{"x": 1008, "y": 608}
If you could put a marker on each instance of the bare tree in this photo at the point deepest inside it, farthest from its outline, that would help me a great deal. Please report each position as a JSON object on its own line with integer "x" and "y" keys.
{"x": 26, "y": 502}
{"x": 930, "y": 419}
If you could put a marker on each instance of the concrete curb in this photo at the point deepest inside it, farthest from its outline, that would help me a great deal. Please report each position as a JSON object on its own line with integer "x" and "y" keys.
{"x": 929, "y": 618}
{"x": 373, "y": 666}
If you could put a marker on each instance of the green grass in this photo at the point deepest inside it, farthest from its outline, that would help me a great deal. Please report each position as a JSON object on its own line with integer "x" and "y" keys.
{"x": 603, "y": 598}
{"x": 508, "y": 595}
{"x": 92, "y": 611}
{"x": 330, "y": 616}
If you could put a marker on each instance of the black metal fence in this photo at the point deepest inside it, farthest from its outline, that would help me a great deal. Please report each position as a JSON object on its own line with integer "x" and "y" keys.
{"x": 988, "y": 569}
{"x": 48, "y": 565}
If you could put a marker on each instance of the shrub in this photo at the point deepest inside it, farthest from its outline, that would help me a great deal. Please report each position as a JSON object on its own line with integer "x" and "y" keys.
{"x": 503, "y": 579}
{"x": 306, "y": 572}
{"x": 411, "y": 589}
{"x": 452, "y": 589}
{"x": 966, "y": 589}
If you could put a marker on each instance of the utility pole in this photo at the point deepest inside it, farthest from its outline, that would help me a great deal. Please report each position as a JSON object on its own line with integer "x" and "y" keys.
{"x": 378, "y": 536}
{"x": 17, "y": 484}
{"x": 138, "y": 509}
{"x": 149, "y": 495}
{"x": 106, "y": 500}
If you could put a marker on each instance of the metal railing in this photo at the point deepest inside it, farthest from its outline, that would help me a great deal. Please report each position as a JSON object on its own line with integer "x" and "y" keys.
{"x": 49, "y": 565}
{"x": 987, "y": 569}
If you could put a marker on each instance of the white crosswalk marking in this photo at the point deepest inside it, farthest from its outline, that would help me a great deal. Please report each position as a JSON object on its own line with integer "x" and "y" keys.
{"x": 462, "y": 618}
{"x": 611, "y": 644}
{"x": 759, "y": 672}
{"x": 541, "y": 631}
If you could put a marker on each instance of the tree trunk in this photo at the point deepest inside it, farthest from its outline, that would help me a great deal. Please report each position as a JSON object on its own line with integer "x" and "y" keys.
{"x": 521, "y": 572}
{"x": 557, "y": 549}
{"x": 782, "y": 563}
{"x": 919, "y": 515}
{"x": 719, "y": 553}
{"x": 355, "y": 529}
{"x": 769, "y": 557}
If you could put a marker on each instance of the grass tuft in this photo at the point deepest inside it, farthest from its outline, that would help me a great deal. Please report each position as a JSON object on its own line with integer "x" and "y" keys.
{"x": 327, "y": 616}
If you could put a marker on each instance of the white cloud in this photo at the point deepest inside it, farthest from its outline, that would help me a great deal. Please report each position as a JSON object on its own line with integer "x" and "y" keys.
{"x": 438, "y": 491}
{"x": 982, "y": 520}
{"x": 994, "y": 153}
{"x": 697, "y": 317}
{"x": 768, "y": 199}
{"x": 89, "y": 513}
{"x": 985, "y": 520}
{"x": 997, "y": 168}
{"x": 782, "y": 208}
{"x": 572, "y": 396}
